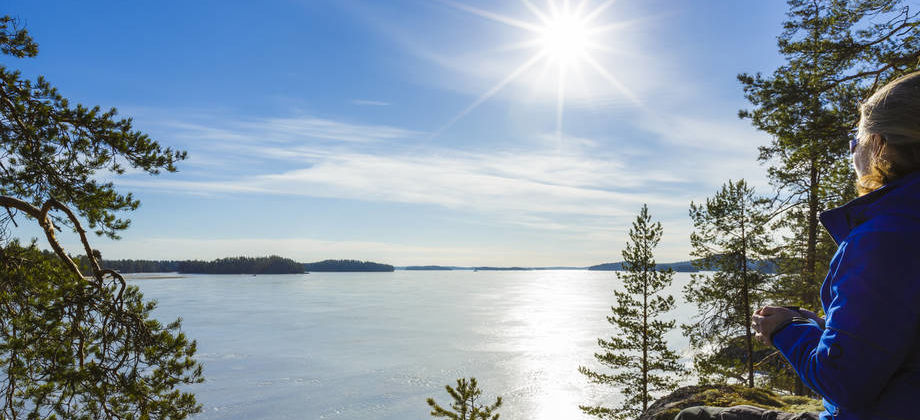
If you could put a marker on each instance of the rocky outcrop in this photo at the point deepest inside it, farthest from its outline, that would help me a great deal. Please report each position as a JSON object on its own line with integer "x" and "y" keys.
{"x": 665, "y": 408}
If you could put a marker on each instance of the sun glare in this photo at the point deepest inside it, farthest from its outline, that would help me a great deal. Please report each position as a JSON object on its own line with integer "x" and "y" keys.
{"x": 563, "y": 36}
{"x": 565, "y": 39}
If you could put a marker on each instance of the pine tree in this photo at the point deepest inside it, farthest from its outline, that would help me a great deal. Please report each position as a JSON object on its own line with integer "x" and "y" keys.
{"x": 837, "y": 53}
{"x": 71, "y": 346}
{"x": 730, "y": 236}
{"x": 465, "y": 405}
{"x": 639, "y": 354}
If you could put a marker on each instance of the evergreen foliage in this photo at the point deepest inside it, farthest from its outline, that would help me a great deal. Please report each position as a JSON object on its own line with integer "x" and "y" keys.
{"x": 730, "y": 232}
{"x": 61, "y": 358}
{"x": 347, "y": 265}
{"x": 53, "y": 149}
{"x": 466, "y": 405}
{"x": 132, "y": 266}
{"x": 242, "y": 265}
{"x": 71, "y": 346}
{"x": 837, "y": 53}
{"x": 639, "y": 353}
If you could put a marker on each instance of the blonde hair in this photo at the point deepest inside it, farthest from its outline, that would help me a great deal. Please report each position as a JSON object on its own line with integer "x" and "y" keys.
{"x": 890, "y": 129}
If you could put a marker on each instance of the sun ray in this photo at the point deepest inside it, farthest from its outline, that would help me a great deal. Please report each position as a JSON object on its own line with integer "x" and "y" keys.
{"x": 560, "y": 102}
{"x": 577, "y": 79}
{"x": 553, "y": 9}
{"x": 517, "y": 46}
{"x": 594, "y": 46}
{"x": 543, "y": 72}
{"x": 579, "y": 10}
{"x": 611, "y": 27}
{"x": 494, "y": 16}
{"x": 613, "y": 80}
{"x": 565, "y": 40}
{"x": 536, "y": 11}
{"x": 491, "y": 92}
{"x": 598, "y": 10}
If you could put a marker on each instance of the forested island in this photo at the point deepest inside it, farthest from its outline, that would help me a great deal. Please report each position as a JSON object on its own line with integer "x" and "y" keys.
{"x": 348, "y": 266}
{"x": 237, "y": 265}
{"x": 243, "y": 265}
{"x": 134, "y": 266}
{"x": 233, "y": 265}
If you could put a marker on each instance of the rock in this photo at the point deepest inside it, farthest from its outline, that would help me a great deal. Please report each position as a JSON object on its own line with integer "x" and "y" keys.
{"x": 665, "y": 408}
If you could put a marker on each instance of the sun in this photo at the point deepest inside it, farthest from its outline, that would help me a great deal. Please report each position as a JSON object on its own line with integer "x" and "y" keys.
{"x": 564, "y": 36}
{"x": 565, "y": 39}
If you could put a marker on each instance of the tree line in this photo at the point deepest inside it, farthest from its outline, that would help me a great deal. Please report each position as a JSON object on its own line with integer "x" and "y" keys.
{"x": 242, "y": 265}
{"x": 232, "y": 265}
{"x": 348, "y": 265}
{"x": 236, "y": 265}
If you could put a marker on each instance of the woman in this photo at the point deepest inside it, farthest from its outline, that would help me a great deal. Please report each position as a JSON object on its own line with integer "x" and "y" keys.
{"x": 865, "y": 359}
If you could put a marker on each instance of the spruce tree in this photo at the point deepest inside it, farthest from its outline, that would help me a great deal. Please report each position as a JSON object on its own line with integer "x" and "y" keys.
{"x": 76, "y": 347}
{"x": 730, "y": 237}
{"x": 466, "y": 403}
{"x": 639, "y": 354}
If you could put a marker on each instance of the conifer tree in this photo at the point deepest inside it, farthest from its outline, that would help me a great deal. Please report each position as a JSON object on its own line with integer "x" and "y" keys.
{"x": 76, "y": 347}
{"x": 837, "y": 53}
{"x": 466, "y": 403}
{"x": 639, "y": 354}
{"x": 730, "y": 236}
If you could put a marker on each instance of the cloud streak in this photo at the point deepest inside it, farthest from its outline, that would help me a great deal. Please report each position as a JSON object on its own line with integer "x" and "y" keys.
{"x": 577, "y": 187}
{"x": 368, "y": 102}
{"x": 286, "y": 130}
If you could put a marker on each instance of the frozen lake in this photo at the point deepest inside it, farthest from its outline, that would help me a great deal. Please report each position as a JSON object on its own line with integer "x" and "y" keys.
{"x": 376, "y": 345}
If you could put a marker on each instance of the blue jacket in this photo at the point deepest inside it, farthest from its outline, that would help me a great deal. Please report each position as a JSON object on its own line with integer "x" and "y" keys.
{"x": 866, "y": 362}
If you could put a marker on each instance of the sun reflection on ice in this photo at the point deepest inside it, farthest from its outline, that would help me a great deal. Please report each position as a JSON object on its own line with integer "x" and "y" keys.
{"x": 547, "y": 321}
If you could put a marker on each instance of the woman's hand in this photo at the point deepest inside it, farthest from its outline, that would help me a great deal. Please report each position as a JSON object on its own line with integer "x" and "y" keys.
{"x": 812, "y": 316}
{"x": 767, "y": 319}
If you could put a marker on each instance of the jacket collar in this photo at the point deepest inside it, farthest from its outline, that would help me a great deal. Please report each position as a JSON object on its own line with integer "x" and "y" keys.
{"x": 841, "y": 220}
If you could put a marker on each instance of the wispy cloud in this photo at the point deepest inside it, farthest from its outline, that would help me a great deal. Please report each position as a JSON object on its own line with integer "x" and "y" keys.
{"x": 519, "y": 183}
{"x": 368, "y": 102}
{"x": 547, "y": 187}
{"x": 574, "y": 186}
{"x": 309, "y": 250}
{"x": 289, "y": 130}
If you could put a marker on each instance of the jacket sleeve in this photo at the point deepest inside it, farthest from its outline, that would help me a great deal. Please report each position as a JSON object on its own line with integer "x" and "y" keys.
{"x": 871, "y": 321}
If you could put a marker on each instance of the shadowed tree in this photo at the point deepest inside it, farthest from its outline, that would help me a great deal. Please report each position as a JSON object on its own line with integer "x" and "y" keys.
{"x": 466, "y": 403}
{"x": 730, "y": 237}
{"x": 639, "y": 354}
{"x": 71, "y": 346}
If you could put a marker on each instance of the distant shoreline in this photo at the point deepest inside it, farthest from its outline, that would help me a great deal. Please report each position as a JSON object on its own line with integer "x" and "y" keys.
{"x": 279, "y": 265}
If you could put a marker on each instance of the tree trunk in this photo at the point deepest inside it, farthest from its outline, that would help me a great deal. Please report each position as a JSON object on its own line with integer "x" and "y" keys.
{"x": 811, "y": 246}
{"x": 645, "y": 344}
{"x": 747, "y": 300}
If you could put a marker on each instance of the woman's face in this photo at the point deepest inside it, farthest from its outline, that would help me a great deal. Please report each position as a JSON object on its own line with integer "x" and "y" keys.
{"x": 861, "y": 155}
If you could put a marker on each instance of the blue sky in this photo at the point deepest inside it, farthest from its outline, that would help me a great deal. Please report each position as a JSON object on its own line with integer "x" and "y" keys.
{"x": 337, "y": 129}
